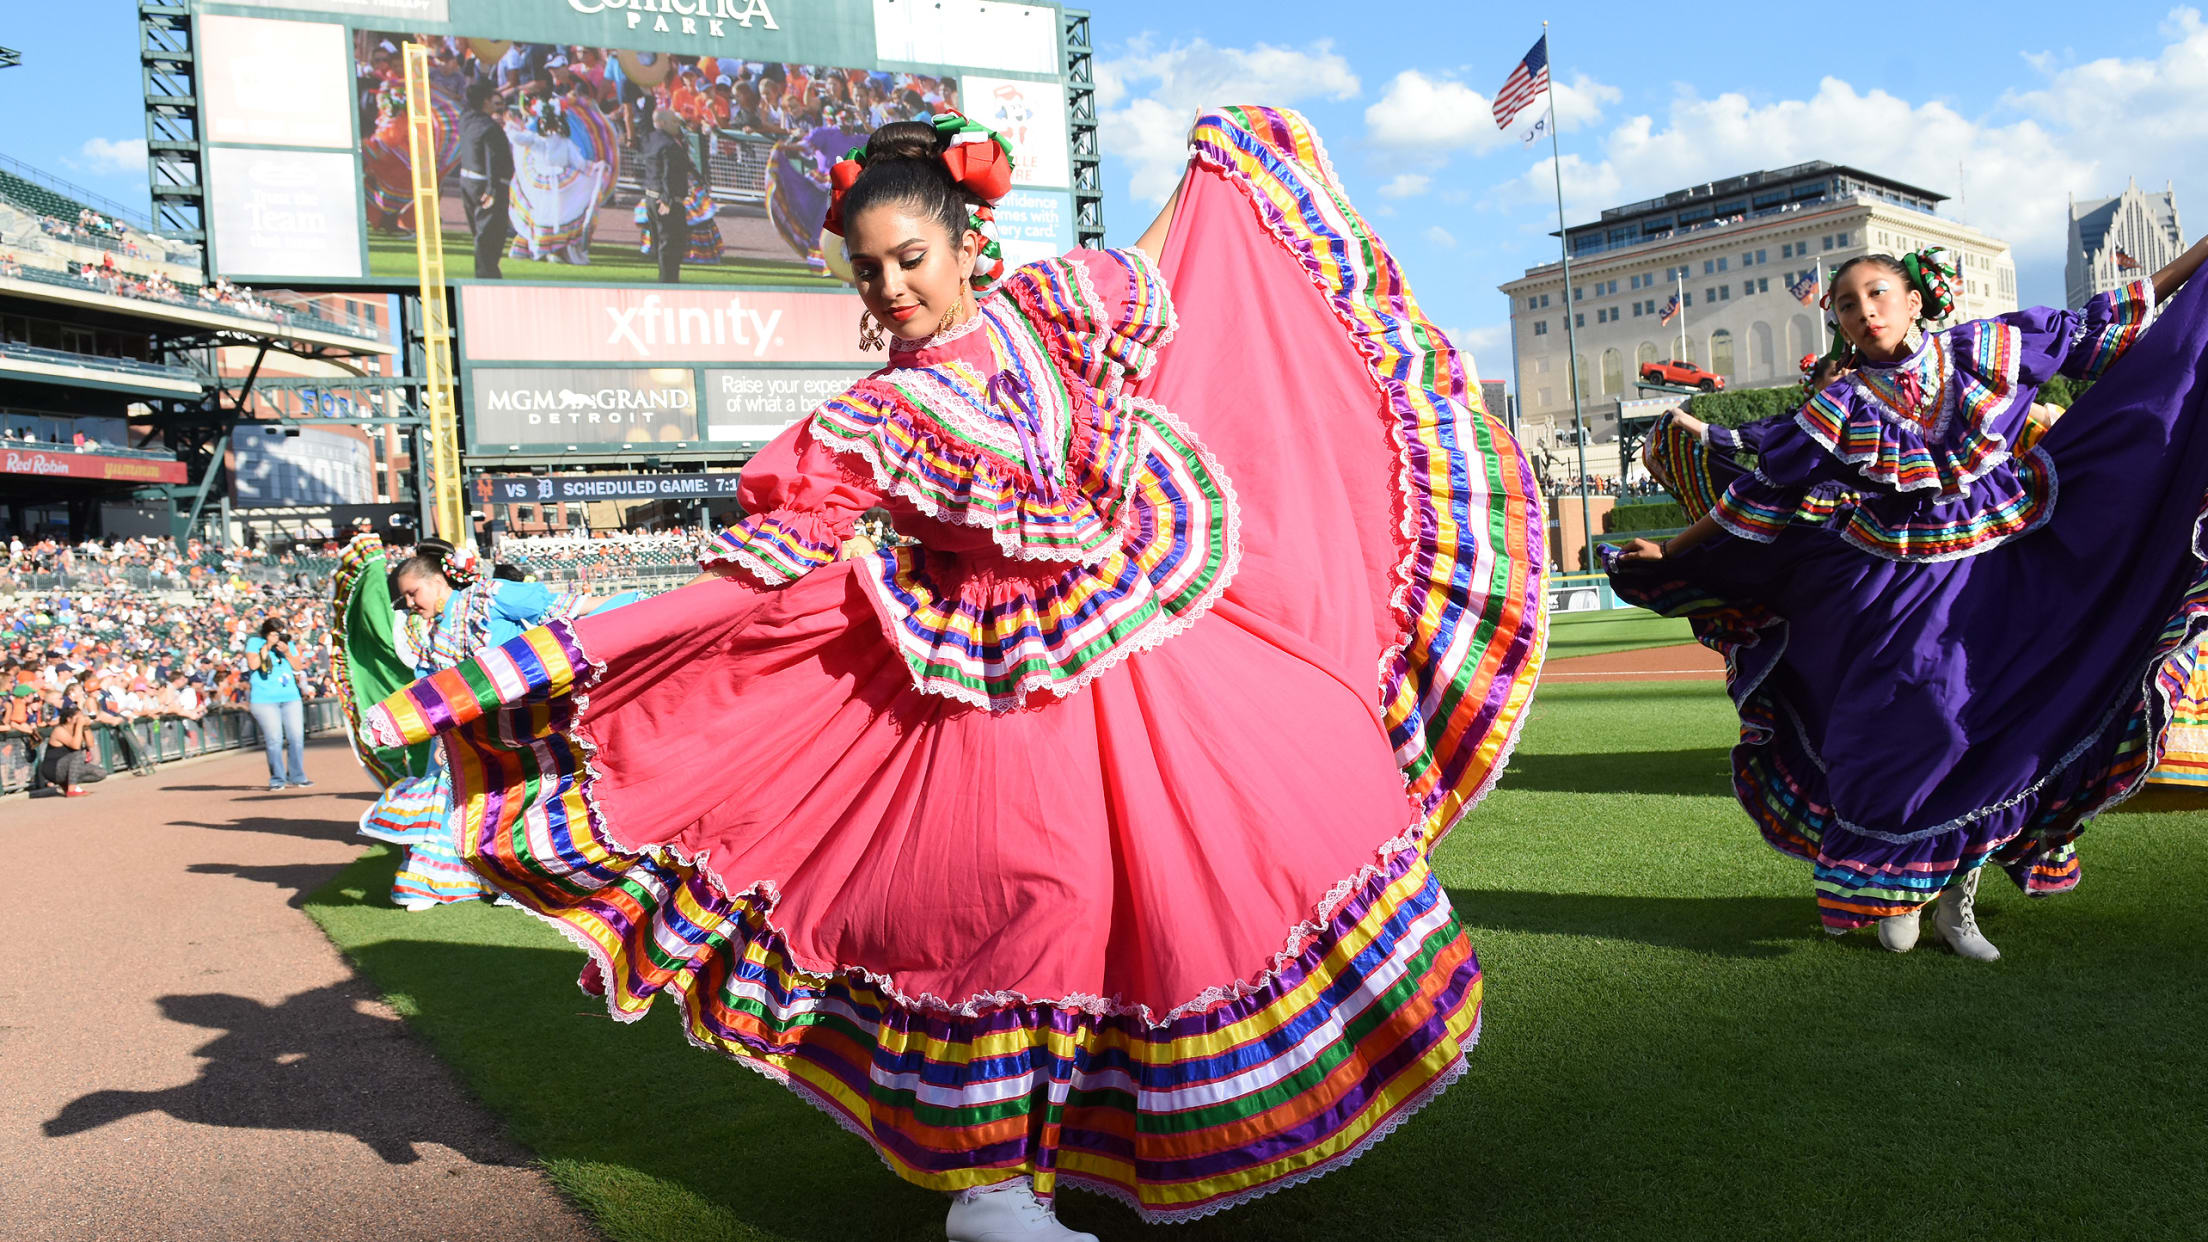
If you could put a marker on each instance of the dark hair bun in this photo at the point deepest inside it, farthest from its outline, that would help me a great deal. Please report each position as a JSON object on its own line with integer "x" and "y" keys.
{"x": 904, "y": 165}
{"x": 905, "y": 140}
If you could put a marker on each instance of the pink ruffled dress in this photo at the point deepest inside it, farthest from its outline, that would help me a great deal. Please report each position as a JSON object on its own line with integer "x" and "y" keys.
{"x": 1087, "y": 838}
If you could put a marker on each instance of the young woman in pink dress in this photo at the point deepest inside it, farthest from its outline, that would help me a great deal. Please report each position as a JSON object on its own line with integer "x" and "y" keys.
{"x": 1084, "y": 840}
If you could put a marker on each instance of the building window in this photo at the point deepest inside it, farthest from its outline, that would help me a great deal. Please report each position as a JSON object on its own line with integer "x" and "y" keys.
{"x": 1842, "y": 237}
{"x": 1645, "y": 354}
{"x": 1577, "y": 291}
{"x": 1544, "y": 299}
{"x": 1721, "y": 351}
{"x": 1533, "y": 303}
{"x": 1826, "y": 240}
{"x": 1579, "y": 320}
{"x": 1763, "y": 284}
{"x": 1709, "y": 267}
{"x": 1637, "y": 311}
{"x": 1613, "y": 371}
{"x": 1540, "y": 326}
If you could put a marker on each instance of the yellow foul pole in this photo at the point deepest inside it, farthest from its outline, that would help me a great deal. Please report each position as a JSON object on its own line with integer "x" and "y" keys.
{"x": 450, "y": 507}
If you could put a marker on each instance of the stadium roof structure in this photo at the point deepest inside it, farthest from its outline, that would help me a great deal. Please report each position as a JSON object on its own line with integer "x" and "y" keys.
{"x": 1761, "y": 193}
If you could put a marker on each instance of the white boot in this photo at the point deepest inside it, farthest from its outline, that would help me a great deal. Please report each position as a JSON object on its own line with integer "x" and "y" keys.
{"x": 1006, "y": 1212}
{"x": 1956, "y": 917}
{"x": 1899, "y": 933}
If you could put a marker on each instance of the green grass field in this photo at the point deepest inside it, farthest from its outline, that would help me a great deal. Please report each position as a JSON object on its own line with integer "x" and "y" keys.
{"x": 610, "y": 263}
{"x": 1672, "y": 1048}
{"x": 1619, "y": 629}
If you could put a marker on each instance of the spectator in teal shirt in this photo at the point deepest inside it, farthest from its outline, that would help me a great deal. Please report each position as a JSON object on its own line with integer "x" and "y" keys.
{"x": 272, "y": 685}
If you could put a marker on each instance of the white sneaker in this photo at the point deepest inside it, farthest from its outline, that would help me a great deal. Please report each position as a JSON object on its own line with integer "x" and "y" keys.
{"x": 1008, "y": 1212}
{"x": 1899, "y": 932}
{"x": 1955, "y": 915}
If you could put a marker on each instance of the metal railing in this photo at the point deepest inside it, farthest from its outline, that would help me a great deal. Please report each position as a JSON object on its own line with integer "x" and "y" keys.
{"x": 187, "y": 298}
{"x": 160, "y": 740}
{"x": 63, "y": 357}
{"x": 77, "y": 195}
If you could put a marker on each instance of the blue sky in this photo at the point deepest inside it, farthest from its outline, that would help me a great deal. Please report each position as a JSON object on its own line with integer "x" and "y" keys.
{"x": 2020, "y": 112}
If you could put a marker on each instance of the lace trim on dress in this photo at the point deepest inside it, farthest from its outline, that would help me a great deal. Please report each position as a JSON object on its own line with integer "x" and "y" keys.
{"x": 1453, "y": 709}
{"x": 1882, "y": 437}
{"x": 934, "y": 437}
{"x": 992, "y": 644}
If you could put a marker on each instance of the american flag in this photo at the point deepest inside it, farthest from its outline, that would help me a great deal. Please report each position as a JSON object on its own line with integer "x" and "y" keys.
{"x": 1803, "y": 287}
{"x": 1671, "y": 310}
{"x": 2124, "y": 262}
{"x": 1526, "y": 84}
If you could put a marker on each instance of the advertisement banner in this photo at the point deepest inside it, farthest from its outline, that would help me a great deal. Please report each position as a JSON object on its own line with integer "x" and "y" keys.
{"x": 1034, "y": 224}
{"x": 575, "y": 407}
{"x": 754, "y": 406}
{"x": 62, "y": 465}
{"x": 272, "y": 470}
{"x": 975, "y": 34}
{"x": 275, "y": 83}
{"x": 508, "y": 323}
{"x": 1032, "y": 116}
{"x": 283, "y": 213}
{"x": 547, "y": 489}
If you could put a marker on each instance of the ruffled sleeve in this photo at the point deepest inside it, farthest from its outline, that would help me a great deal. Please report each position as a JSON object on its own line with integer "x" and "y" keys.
{"x": 803, "y": 504}
{"x": 1795, "y": 482}
{"x": 1105, "y": 313}
{"x": 2081, "y": 344}
{"x": 1694, "y": 469}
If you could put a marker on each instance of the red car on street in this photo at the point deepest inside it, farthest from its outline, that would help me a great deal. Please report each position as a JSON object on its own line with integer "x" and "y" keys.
{"x": 1681, "y": 375}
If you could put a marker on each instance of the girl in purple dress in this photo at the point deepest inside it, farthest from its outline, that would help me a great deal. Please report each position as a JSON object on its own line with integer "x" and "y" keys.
{"x": 1953, "y": 633}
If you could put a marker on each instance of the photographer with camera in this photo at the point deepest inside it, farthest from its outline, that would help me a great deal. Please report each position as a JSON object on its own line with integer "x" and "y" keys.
{"x": 272, "y": 683}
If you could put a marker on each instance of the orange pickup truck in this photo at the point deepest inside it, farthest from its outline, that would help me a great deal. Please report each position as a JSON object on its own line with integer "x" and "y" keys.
{"x": 1681, "y": 375}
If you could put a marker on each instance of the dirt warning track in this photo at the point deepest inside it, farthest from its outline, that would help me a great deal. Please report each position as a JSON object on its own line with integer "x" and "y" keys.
{"x": 183, "y": 1056}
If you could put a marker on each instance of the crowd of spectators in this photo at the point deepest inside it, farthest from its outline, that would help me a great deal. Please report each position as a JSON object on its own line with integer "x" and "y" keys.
{"x": 92, "y": 229}
{"x": 165, "y": 641}
{"x": 615, "y": 558}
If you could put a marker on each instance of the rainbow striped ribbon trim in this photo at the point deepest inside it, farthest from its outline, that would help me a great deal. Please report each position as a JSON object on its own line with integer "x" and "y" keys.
{"x": 1365, "y": 1022}
{"x": 1475, "y": 617}
{"x": 1366, "y": 1019}
{"x": 2113, "y": 323}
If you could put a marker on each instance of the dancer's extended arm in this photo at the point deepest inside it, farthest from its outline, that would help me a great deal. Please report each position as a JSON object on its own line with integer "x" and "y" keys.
{"x": 2169, "y": 279}
{"x": 1704, "y": 529}
{"x": 1152, "y": 241}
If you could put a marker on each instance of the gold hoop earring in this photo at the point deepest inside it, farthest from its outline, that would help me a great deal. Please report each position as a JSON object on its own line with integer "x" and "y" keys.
{"x": 870, "y": 331}
{"x": 952, "y": 316}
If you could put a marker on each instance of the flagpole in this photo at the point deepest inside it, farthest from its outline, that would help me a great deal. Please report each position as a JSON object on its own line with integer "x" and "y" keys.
{"x": 1681, "y": 277}
{"x": 1571, "y": 334}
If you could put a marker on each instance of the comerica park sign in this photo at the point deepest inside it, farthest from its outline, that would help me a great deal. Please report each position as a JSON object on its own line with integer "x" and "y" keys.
{"x": 709, "y": 18}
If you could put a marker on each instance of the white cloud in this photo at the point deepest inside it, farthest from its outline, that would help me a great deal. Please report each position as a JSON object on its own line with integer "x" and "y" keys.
{"x": 2074, "y": 128}
{"x": 1486, "y": 338}
{"x": 1440, "y": 236}
{"x": 1442, "y": 115}
{"x": 1148, "y": 97}
{"x": 112, "y": 155}
{"x": 1406, "y": 185}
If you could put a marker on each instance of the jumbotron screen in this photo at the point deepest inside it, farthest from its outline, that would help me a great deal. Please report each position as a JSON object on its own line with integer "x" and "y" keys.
{"x": 309, "y": 175}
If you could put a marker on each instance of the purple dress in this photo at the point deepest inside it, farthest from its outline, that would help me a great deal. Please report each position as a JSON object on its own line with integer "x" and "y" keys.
{"x": 1950, "y": 643}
